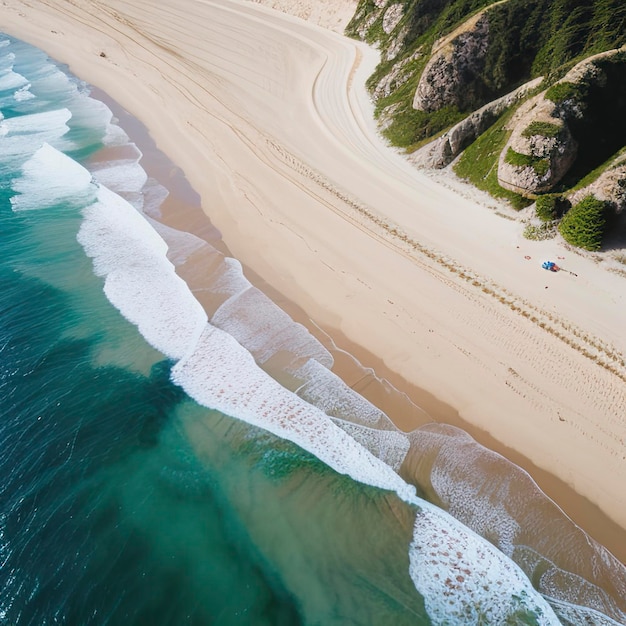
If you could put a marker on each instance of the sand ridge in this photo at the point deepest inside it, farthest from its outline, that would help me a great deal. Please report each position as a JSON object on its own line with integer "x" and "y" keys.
{"x": 269, "y": 120}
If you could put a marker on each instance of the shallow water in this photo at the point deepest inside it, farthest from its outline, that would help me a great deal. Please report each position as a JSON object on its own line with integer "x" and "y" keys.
{"x": 175, "y": 450}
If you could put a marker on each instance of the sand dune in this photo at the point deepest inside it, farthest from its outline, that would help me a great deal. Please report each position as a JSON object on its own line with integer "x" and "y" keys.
{"x": 268, "y": 117}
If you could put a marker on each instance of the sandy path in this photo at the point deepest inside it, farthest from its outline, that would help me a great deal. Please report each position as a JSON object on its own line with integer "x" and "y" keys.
{"x": 255, "y": 107}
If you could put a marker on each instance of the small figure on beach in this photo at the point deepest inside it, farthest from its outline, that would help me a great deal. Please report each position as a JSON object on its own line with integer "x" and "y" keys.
{"x": 550, "y": 266}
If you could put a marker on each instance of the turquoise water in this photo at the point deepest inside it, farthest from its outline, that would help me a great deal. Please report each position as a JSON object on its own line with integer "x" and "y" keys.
{"x": 158, "y": 466}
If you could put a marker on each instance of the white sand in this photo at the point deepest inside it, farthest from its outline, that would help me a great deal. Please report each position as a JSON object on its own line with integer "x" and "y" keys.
{"x": 268, "y": 118}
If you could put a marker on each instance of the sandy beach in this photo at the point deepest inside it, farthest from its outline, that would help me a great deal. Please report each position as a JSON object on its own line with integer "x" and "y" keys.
{"x": 269, "y": 120}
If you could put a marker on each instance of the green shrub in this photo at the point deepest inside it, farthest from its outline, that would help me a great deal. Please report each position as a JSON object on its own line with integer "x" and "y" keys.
{"x": 584, "y": 224}
{"x": 545, "y": 129}
{"x": 551, "y": 206}
{"x": 540, "y": 165}
{"x": 545, "y": 207}
{"x": 563, "y": 91}
{"x": 547, "y": 230}
{"x": 517, "y": 158}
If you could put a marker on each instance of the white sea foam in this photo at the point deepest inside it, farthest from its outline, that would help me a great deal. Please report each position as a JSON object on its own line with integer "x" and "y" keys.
{"x": 11, "y": 81}
{"x": 499, "y": 500}
{"x": 467, "y": 488}
{"x": 180, "y": 245}
{"x": 93, "y": 114}
{"x": 49, "y": 85}
{"x": 121, "y": 176}
{"x": 24, "y": 93}
{"x": 139, "y": 280}
{"x": 51, "y": 178}
{"x": 221, "y": 374}
{"x": 466, "y": 580}
{"x": 23, "y": 135}
{"x": 582, "y": 615}
{"x": 390, "y": 446}
{"x": 262, "y": 326}
{"x": 40, "y": 85}
{"x": 154, "y": 194}
{"x": 327, "y": 391}
{"x": 230, "y": 280}
{"x": 124, "y": 177}
{"x": 578, "y": 594}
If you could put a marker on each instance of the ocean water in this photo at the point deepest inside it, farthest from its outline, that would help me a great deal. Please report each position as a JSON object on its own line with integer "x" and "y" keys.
{"x": 174, "y": 449}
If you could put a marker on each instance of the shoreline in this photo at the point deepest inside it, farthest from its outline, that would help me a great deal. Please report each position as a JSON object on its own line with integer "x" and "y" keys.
{"x": 406, "y": 405}
{"x": 456, "y": 351}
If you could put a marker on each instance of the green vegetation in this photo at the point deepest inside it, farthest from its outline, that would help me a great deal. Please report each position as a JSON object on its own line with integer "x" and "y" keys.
{"x": 544, "y": 129}
{"x": 594, "y": 174}
{"x": 479, "y": 163}
{"x": 409, "y": 127}
{"x": 560, "y": 92}
{"x": 551, "y": 206}
{"x": 527, "y": 38}
{"x": 540, "y": 165}
{"x": 584, "y": 224}
{"x": 545, "y": 207}
{"x": 547, "y": 230}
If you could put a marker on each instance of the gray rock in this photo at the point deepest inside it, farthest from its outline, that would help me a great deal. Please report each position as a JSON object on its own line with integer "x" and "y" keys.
{"x": 398, "y": 75}
{"x": 443, "y": 150}
{"x": 393, "y": 15}
{"x": 551, "y": 156}
{"x": 559, "y": 151}
{"x": 609, "y": 187}
{"x": 453, "y": 66}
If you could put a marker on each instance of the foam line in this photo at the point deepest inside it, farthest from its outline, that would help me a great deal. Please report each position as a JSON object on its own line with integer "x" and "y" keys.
{"x": 51, "y": 178}
{"x": 139, "y": 279}
{"x": 221, "y": 374}
{"x": 466, "y": 580}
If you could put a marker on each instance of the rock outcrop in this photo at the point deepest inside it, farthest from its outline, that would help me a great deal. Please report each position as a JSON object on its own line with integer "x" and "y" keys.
{"x": 447, "y": 97}
{"x": 452, "y": 70}
{"x": 610, "y": 187}
{"x": 391, "y": 18}
{"x": 442, "y": 151}
{"x": 542, "y": 148}
{"x": 399, "y": 74}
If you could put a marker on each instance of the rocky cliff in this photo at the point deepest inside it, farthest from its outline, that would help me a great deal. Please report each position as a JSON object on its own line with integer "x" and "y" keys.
{"x": 530, "y": 93}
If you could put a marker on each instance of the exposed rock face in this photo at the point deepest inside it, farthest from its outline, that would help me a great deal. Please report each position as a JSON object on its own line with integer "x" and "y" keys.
{"x": 446, "y": 148}
{"x": 396, "y": 77}
{"x": 609, "y": 187}
{"x": 366, "y": 24}
{"x": 534, "y": 162}
{"x": 486, "y": 54}
{"x": 396, "y": 44}
{"x": 548, "y": 155}
{"x": 453, "y": 67}
{"x": 393, "y": 14}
